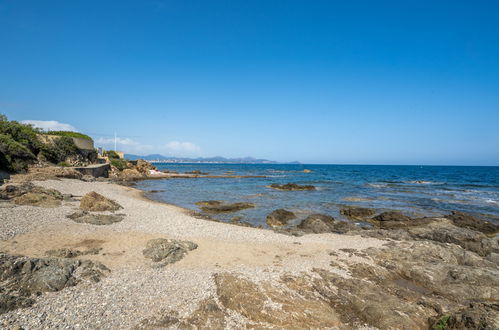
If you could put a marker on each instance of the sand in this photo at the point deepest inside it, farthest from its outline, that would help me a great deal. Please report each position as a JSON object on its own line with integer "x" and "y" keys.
{"x": 134, "y": 290}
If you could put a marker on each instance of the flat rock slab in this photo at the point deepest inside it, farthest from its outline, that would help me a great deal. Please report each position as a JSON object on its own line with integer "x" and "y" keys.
{"x": 95, "y": 219}
{"x": 29, "y": 194}
{"x": 98, "y": 203}
{"x": 164, "y": 251}
{"x": 291, "y": 187}
{"x": 222, "y": 207}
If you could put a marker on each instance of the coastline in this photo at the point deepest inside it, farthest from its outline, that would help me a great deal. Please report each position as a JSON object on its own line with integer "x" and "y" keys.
{"x": 237, "y": 277}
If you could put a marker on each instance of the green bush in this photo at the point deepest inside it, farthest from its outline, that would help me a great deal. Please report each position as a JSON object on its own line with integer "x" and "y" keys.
{"x": 120, "y": 164}
{"x": 112, "y": 154}
{"x": 24, "y": 134}
{"x": 63, "y": 164}
{"x": 441, "y": 323}
{"x": 60, "y": 149}
{"x": 70, "y": 134}
{"x": 14, "y": 156}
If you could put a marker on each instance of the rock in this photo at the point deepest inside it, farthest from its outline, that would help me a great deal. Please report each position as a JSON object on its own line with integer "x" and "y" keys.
{"x": 167, "y": 251}
{"x": 357, "y": 213}
{"x": 88, "y": 178}
{"x": 221, "y": 207}
{"x": 291, "y": 187}
{"x": 143, "y": 167}
{"x": 465, "y": 220}
{"x": 198, "y": 172}
{"x": 96, "y": 202}
{"x": 37, "y": 196}
{"x": 70, "y": 253}
{"x": 307, "y": 171}
{"x": 48, "y": 173}
{"x": 95, "y": 219}
{"x": 279, "y": 217}
{"x": 475, "y": 316}
{"x": 317, "y": 223}
{"x": 395, "y": 219}
{"x": 343, "y": 227}
{"x": 22, "y": 276}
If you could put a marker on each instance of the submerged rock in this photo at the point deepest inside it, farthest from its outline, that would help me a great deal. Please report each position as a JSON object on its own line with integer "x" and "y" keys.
{"x": 22, "y": 276}
{"x": 222, "y": 207}
{"x": 357, "y": 213}
{"x": 96, "y": 202}
{"x": 291, "y": 186}
{"x": 280, "y": 217}
{"x": 95, "y": 219}
{"x": 164, "y": 251}
{"x": 465, "y": 220}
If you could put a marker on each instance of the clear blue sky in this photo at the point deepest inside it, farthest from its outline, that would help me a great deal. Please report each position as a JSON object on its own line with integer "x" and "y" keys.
{"x": 374, "y": 82}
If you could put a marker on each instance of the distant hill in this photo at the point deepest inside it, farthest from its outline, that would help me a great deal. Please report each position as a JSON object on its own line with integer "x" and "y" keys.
{"x": 217, "y": 159}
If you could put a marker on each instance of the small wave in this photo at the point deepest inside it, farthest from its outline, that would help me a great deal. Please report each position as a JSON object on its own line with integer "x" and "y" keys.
{"x": 422, "y": 182}
{"x": 491, "y": 201}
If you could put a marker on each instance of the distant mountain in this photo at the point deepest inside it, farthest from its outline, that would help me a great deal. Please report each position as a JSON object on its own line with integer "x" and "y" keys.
{"x": 217, "y": 159}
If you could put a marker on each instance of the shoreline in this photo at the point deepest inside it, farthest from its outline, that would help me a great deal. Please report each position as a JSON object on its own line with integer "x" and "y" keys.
{"x": 235, "y": 278}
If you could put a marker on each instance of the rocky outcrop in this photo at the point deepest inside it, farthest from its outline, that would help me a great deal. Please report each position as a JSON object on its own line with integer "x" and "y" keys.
{"x": 21, "y": 277}
{"x": 465, "y": 220}
{"x": 96, "y": 202}
{"x": 71, "y": 253}
{"x": 291, "y": 187}
{"x": 357, "y": 213}
{"x": 47, "y": 173}
{"x": 164, "y": 251}
{"x": 317, "y": 223}
{"x": 280, "y": 217}
{"x": 29, "y": 194}
{"x": 395, "y": 219}
{"x": 144, "y": 167}
{"x": 222, "y": 207}
{"x": 95, "y": 218}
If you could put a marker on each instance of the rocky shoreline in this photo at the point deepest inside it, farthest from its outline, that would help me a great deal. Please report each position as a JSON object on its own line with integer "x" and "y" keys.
{"x": 77, "y": 254}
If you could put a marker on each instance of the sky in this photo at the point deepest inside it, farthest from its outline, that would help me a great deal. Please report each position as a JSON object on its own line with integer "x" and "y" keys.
{"x": 341, "y": 82}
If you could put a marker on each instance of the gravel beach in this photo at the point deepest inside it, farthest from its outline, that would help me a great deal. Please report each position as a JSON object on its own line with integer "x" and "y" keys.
{"x": 135, "y": 291}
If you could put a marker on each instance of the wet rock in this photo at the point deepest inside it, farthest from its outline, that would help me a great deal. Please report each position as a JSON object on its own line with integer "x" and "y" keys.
{"x": 317, "y": 223}
{"x": 357, "y": 213}
{"x": 343, "y": 227}
{"x": 465, "y": 220}
{"x": 95, "y": 219}
{"x": 221, "y": 207}
{"x": 96, "y": 202}
{"x": 279, "y": 217}
{"x": 395, "y": 219}
{"x": 291, "y": 187}
{"x": 70, "y": 253}
{"x": 164, "y": 251}
{"x": 22, "y": 276}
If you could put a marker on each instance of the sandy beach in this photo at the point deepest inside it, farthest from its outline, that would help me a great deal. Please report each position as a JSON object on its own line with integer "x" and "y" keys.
{"x": 134, "y": 291}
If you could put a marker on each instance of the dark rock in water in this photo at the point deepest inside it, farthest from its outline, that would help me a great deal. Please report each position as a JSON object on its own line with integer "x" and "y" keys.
{"x": 23, "y": 276}
{"x": 95, "y": 219}
{"x": 395, "y": 219}
{"x": 196, "y": 172}
{"x": 317, "y": 223}
{"x": 221, "y": 207}
{"x": 343, "y": 227}
{"x": 358, "y": 213}
{"x": 279, "y": 217}
{"x": 70, "y": 253}
{"x": 465, "y": 220}
{"x": 167, "y": 251}
{"x": 291, "y": 187}
{"x": 96, "y": 202}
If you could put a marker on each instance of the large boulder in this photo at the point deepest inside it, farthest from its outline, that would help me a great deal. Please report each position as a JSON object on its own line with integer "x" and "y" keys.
{"x": 96, "y": 202}
{"x": 280, "y": 217}
{"x": 96, "y": 219}
{"x": 291, "y": 186}
{"x": 144, "y": 167}
{"x": 465, "y": 220}
{"x": 29, "y": 194}
{"x": 317, "y": 223}
{"x": 164, "y": 251}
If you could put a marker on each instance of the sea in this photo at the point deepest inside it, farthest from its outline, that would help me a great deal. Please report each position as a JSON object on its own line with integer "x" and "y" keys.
{"x": 415, "y": 190}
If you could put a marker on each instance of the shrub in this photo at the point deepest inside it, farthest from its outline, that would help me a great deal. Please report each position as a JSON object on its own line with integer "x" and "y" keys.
{"x": 60, "y": 149}
{"x": 14, "y": 156}
{"x": 70, "y": 134}
{"x": 63, "y": 164}
{"x": 24, "y": 134}
{"x": 111, "y": 154}
{"x": 120, "y": 164}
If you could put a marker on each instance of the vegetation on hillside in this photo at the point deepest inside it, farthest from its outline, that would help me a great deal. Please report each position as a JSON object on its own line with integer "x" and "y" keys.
{"x": 70, "y": 134}
{"x": 20, "y": 146}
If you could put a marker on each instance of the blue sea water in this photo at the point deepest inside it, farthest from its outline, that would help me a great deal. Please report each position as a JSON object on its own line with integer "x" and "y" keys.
{"x": 415, "y": 190}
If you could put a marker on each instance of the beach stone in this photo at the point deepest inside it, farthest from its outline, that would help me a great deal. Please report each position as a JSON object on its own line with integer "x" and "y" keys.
{"x": 465, "y": 220}
{"x": 357, "y": 213}
{"x": 291, "y": 187}
{"x": 279, "y": 217}
{"x": 317, "y": 223}
{"x": 167, "y": 251}
{"x": 221, "y": 207}
{"x": 23, "y": 276}
{"x": 95, "y": 219}
{"x": 96, "y": 202}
